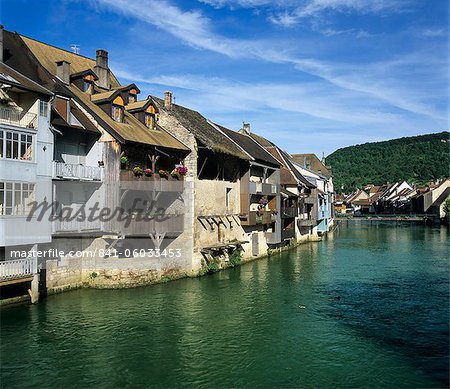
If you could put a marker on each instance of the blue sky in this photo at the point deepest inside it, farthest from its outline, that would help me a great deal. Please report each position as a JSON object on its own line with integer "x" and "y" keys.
{"x": 311, "y": 75}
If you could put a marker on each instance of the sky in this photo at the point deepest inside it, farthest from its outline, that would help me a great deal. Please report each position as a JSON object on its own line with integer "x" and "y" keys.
{"x": 310, "y": 75}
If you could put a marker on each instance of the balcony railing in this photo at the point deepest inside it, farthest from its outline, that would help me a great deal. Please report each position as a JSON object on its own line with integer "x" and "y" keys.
{"x": 17, "y": 268}
{"x": 18, "y": 118}
{"x": 78, "y": 172}
{"x": 262, "y": 188}
{"x": 76, "y": 226}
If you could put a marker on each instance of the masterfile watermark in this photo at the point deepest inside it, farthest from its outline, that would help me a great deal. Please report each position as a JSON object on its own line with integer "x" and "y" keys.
{"x": 141, "y": 210}
{"x": 96, "y": 253}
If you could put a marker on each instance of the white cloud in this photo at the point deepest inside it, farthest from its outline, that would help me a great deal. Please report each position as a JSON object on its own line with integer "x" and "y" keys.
{"x": 434, "y": 32}
{"x": 388, "y": 81}
{"x": 316, "y": 8}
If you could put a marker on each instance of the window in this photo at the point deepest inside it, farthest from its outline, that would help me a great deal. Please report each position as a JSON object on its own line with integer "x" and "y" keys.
{"x": 149, "y": 120}
{"x": 131, "y": 98}
{"x": 15, "y": 145}
{"x": 87, "y": 86}
{"x": 15, "y": 198}
{"x": 228, "y": 198}
{"x": 117, "y": 113}
{"x": 43, "y": 108}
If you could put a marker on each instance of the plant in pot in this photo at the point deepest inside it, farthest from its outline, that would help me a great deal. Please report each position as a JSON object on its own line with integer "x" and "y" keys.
{"x": 163, "y": 173}
{"x": 174, "y": 174}
{"x": 148, "y": 172}
{"x": 182, "y": 170}
{"x": 137, "y": 171}
{"x": 123, "y": 162}
{"x": 262, "y": 204}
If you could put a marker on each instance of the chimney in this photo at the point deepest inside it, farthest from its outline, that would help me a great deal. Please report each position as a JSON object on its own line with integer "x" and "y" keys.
{"x": 1, "y": 43}
{"x": 168, "y": 100}
{"x": 101, "y": 69}
{"x": 63, "y": 71}
{"x": 245, "y": 128}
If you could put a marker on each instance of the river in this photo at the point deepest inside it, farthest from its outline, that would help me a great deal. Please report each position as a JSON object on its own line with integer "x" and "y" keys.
{"x": 366, "y": 307}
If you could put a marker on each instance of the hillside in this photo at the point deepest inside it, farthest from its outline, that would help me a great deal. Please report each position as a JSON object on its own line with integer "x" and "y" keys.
{"x": 417, "y": 159}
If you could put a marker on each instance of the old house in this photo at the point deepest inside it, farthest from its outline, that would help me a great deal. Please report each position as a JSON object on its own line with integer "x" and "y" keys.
{"x": 26, "y": 149}
{"x": 109, "y": 155}
{"x": 431, "y": 199}
{"x": 259, "y": 192}
{"x": 297, "y": 194}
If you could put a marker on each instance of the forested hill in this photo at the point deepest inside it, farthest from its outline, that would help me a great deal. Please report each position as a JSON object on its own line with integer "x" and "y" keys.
{"x": 417, "y": 159}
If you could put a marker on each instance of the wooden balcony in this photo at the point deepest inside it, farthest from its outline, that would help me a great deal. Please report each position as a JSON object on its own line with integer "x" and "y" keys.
{"x": 254, "y": 218}
{"x": 17, "y": 269}
{"x": 71, "y": 171}
{"x": 263, "y": 189}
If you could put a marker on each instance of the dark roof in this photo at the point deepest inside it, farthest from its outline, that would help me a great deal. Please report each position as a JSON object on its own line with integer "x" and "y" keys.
{"x": 125, "y": 88}
{"x": 289, "y": 174}
{"x": 261, "y": 140}
{"x": 250, "y": 147}
{"x": 12, "y": 77}
{"x": 140, "y": 105}
{"x": 83, "y": 73}
{"x": 313, "y": 163}
{"x": 202, "y": 130}
{"x": 299, "y": 176}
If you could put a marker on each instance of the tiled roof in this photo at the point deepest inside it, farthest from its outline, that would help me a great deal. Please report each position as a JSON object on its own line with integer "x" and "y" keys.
{"x": 250, "y": 146}
{"x": 131, "y": 130}
{"x": 48, "y": 55}
{"x": 313, "y": 163}
{"x": 202, "y": 130}
{"x": 12, "y": 77}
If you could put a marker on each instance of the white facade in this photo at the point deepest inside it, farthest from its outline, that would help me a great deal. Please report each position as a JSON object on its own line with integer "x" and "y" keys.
{"x": 25, "y": 167}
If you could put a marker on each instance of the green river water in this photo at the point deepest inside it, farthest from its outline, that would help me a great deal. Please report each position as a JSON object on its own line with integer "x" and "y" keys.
{"x": 366, "y": 307}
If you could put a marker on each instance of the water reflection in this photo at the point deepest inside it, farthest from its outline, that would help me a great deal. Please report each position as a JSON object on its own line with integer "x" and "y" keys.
{"x": 366, "y": 307}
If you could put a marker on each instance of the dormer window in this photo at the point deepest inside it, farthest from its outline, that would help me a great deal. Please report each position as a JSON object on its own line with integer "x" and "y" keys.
{"x": 149, "y": 120}
{"x": 117, "y": 109}
{"x": 132, "y": 94}
{"x": 88, "y": 86}
{"x": 117, "y": 113}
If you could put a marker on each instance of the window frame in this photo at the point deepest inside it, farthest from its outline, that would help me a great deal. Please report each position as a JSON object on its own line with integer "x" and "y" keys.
{"x": 10, "y": 191}
{"x": 16, "y": 139}
{"x": 114, "y": 108}
{"x": 43, "y": 108}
